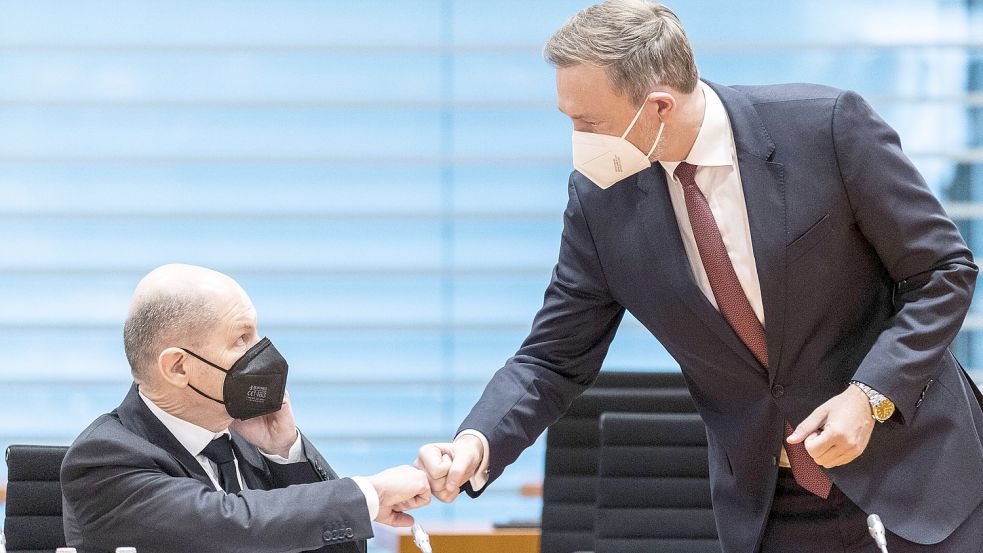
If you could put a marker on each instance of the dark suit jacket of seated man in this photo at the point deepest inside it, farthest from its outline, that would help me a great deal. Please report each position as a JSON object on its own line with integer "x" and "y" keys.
{"x": 145, "y": 475}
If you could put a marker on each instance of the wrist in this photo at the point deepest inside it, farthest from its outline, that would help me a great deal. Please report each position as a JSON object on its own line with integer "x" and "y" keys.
{"x": 881, "y": 408}
{"x": 283, "y": 448}
{"x": 371, "y": 495}
{"x": 473, "y": 443}
{"x": 856, "y": 391}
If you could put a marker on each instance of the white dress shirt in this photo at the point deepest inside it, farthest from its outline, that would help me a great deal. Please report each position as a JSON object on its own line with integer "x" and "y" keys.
{"x": 718, "y": 176}
{"x": 195, "y": 438}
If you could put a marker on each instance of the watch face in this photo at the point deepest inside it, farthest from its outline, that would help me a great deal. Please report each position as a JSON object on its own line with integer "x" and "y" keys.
{"x": 884, "y": 411}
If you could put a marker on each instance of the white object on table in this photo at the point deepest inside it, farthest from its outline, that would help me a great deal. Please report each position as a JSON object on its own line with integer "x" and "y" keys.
{"x": 421, "y": 538}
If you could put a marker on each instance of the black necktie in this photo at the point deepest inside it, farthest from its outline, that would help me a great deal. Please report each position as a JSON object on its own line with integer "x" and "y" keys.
{"x": 219, "y": 451}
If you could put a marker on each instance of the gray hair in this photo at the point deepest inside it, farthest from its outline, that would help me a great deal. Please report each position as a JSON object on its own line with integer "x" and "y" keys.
{"x": 161, "y": 321}
{"x": 639, "y": 43}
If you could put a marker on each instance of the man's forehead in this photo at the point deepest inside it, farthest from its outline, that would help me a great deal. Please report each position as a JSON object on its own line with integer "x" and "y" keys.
{"x": 244, "y": 323}
{"x": 583, "y": 91}
{"x": 244, "y": 318}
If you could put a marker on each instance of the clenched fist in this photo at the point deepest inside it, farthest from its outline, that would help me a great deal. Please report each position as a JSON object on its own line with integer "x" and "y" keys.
{"x": 838, "y": 431}
{"x": 449, "y": 465}
{"x": 400, "y": 489}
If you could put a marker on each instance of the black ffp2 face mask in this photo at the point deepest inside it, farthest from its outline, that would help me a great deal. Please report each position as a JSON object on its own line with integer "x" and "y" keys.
{"x": 255, "y": 383}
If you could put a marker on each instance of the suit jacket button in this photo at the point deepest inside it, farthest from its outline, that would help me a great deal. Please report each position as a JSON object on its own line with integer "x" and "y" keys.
{"x": 778, "y": 391}
{"x": 349, "y": 533}
{"x": 326, "y": 535}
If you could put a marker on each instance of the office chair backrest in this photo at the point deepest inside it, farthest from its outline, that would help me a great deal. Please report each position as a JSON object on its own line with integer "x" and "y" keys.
{"x": 572, "y": 445}
{"x": 653, "y": 488}
{"x": 33, "y": 514}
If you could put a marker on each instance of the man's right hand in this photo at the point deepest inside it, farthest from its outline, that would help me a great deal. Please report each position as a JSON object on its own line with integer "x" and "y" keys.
{"x": 449, "y": 466}
{"x": 400, "y": 489}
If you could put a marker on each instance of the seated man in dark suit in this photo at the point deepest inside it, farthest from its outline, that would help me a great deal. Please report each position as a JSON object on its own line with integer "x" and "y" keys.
{"x": 203, "y": 453}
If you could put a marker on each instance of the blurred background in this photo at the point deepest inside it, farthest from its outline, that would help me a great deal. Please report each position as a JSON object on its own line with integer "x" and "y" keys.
{"x": 386, "y": 179}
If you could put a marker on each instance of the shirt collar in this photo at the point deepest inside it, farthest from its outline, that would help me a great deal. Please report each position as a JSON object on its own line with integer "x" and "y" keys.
{"x": 193, "y": 437}
{"x": 714, "y": 144}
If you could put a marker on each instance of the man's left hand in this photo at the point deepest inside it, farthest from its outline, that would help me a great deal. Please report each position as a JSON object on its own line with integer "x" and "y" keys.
{"x": 273, "y": 434}
{"x": 839, "y": 430}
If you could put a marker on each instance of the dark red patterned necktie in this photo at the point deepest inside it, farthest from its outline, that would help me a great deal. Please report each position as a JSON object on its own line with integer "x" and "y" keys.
{"x": 735, "y": 307}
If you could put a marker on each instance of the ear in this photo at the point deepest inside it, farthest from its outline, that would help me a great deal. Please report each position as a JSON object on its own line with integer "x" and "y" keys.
{"x": 663, "y": 103}
{"x": 171, "y": 366}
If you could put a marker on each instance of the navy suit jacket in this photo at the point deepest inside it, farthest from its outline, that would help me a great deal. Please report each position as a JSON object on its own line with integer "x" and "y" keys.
{"x": 863, "y": 276}
{"x": 127, "y": 481}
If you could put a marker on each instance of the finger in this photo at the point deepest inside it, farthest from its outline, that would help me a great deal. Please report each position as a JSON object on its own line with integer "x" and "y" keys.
{"x": 834, "y": 458}
{"x": 462, "y": 469}
{"x": 436, "y": 459}
{"x": 448, "y": 495}
{"x": 425, "y": 490}
{"x": 819, "y": 444}
{"x": 414, "y": 503}
{"x": 403, "y": 506}
{"x": 811, "y": 424}
{"x": 400, "y": 520}
{"x": 436, "y": 464}
{"x": 842, "y": 453}
{"x": 841, "y": 460}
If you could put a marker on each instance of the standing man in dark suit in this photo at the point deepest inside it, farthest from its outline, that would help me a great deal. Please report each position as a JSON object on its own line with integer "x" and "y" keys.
{"x": 203, "y": 453}
{"x": 791, "y": 259}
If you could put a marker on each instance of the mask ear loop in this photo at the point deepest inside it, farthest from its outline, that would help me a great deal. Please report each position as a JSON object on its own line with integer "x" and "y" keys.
{"x": 633, "y": 121}
{"x": 202, "y": 359}
{"x": 203, "y": 394}
{"x": 662, "y": 127}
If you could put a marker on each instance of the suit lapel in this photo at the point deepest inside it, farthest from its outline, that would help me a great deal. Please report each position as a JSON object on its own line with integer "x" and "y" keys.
{"x": 137, "y": 418}
{"x": 764, "y": 195}
{"x": 662, "y": 231}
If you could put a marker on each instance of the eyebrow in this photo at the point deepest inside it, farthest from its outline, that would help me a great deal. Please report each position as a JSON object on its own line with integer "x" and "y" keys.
{"x": 581, "y": 117}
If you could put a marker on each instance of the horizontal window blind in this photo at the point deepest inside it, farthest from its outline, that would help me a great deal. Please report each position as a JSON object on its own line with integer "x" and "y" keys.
{"x": 386, "y": 179}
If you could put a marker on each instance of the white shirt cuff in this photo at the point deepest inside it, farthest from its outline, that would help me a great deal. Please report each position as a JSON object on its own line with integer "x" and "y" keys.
{"x": 480, "y": 478}
{"x": 371, "y": 496}
{"x": 296, "y": 454}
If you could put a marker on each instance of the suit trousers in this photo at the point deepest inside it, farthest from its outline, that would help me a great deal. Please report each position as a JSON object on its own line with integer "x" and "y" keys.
{"x": 801, "y": 522}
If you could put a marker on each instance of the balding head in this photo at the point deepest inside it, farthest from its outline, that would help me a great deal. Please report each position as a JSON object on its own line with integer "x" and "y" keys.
{"x": 174, "y": 305}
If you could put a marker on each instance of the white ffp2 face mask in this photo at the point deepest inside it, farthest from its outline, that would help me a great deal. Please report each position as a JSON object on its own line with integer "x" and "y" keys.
{"x": 606, "y": 159}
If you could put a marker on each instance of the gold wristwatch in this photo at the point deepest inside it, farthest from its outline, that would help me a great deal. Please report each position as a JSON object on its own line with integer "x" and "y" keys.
{"x": 881, "y": 408}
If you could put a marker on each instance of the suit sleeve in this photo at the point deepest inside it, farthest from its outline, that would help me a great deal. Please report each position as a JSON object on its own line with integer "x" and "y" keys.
{"x": 312, "y": 469}
{"x": 919, "y": 245}
{"x": 561, "y": 356}
{"x": 141, "y": 506}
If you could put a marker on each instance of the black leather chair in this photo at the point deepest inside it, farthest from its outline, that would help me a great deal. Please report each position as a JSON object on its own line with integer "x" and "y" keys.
{"x": 33, "y": 514}
{"x": 572, "y": 448}
{"x": 653, "y": 488}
